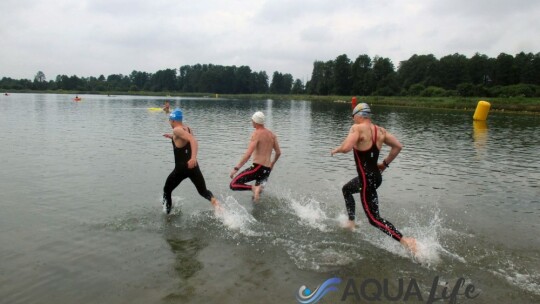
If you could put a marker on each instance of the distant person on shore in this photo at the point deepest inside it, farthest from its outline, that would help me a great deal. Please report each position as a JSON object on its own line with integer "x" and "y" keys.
{"x": 262, "y": 143}
{"x": 366, "y": 140}
{"x": 185, "y": 147}
{"x": 167, "y": 107}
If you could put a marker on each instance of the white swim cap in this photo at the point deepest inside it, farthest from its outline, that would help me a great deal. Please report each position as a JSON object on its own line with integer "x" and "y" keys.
{"x": 258, "y": 117}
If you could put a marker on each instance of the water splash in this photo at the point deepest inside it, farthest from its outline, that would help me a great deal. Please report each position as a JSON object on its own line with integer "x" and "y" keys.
{"x": 519, "y": 277}
{"x": 310, "y": 213}
{"x": 235, "y": 217}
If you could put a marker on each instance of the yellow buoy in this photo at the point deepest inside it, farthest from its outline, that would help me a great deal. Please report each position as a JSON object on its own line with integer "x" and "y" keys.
{"x": 482, "y": 110}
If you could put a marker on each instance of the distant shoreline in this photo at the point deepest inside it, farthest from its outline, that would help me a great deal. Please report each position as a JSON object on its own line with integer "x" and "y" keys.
{"x": 530, "y": 105}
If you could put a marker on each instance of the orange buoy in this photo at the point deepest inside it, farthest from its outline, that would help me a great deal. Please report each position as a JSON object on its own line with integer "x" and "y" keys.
{"x": 353, "y": 102}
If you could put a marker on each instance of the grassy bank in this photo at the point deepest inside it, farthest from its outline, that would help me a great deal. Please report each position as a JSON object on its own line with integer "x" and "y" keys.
{"x": 514, "y": 104}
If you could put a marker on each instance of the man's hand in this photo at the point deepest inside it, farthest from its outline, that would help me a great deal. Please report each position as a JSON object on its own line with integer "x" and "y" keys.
{"x": 336, "y": 150}
{"x": 168, "y": 136}
{"x": 381, "y": 167}
{"x": 233, "y": 172}
{"x": 192, "y": 163}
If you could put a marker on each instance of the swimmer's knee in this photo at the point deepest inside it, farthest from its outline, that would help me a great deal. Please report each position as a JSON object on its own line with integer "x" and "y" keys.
{"x": 372, "y": 222}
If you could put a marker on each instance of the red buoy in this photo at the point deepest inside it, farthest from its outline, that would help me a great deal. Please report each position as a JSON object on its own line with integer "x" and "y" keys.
{"x": 353, "y": 101}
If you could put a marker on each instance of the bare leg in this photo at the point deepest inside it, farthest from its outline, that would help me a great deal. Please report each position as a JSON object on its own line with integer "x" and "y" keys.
{"x": 256, "y": 193}
{"x": 410, "y": 244}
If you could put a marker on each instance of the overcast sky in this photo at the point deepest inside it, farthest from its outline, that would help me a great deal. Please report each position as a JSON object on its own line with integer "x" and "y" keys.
{"x": 94, "y": 37}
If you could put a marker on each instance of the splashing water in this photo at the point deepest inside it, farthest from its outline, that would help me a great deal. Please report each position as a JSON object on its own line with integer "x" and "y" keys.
{"x": 235, "y": 217}
{"x": 310, "y": 213}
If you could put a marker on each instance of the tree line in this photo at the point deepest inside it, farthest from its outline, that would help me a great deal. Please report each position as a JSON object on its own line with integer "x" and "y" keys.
{"x": 420, "y": 75}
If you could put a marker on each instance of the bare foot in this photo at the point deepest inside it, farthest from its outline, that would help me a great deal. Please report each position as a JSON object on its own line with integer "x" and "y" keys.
{"x": 351, "y": 225}
{"x": 217, "y": 206}
{"x": 256, "y": 193}
{"x": 410, "y": 244}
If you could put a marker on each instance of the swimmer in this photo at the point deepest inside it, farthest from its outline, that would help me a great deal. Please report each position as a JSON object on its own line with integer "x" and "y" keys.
{"x": 262, "y": 143}
{"x": 166, "y": 107}
{"x": 185, "y": 147}
{"x": 366, "y": 140}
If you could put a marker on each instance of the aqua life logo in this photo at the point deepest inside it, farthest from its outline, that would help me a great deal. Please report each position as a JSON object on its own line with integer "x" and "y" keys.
{"x": 306, "y": 295}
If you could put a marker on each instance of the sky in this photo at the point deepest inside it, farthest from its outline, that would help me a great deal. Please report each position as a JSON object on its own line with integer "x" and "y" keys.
{"x": 95, "y": 37}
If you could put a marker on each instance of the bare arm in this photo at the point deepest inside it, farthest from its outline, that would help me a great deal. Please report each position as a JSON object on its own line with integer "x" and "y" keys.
{"x": 277, "y": 150}
{"x": 348, "y": 144}
{"x": 395, "y": 148}
{"x": 251, "y": 147}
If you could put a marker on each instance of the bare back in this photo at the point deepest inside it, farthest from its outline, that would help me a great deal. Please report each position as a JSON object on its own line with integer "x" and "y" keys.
{"x": 265, "y": 143}
{"x": 366, "y": 132}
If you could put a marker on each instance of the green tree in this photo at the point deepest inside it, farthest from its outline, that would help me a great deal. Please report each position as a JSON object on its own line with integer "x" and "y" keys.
{"x": 298, "y": 87}
{"x": 480, "y": 69}
{"x": 385, "y": 77}
{"x": 139, "y": 80}
{"x": 242, "y": 83}
{"x": 524, "y": 66}
{"x": 164, "y": 80}
{"x": 505, "y": 73}
{"x": 418, "y": 69}
{"x": 342, "y": 75}
{"x": 281, "y": 83}
{"x": 363, "y": 80}
{"x": 317, "y": 75}
{"x": 40, "y": 81}
{"x": 453, "y": 70}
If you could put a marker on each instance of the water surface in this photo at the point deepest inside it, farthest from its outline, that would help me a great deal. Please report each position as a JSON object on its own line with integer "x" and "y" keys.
{"x": 81, "y": 218}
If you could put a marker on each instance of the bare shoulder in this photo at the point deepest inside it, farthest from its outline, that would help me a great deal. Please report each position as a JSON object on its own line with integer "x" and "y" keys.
{"x": 382, "y": 130}
{"x": 359, "y": 128}
{"x": 178, "y": 130}
{"x": 255, "y": 135}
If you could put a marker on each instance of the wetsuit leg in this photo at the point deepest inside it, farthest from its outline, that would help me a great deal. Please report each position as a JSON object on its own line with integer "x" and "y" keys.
{"x": 262, "y": 175}
{"x": 353, "y": 186}
{"x": 370, "y": 203}
{"x": 239, "y": 182}
{"x": 197, "y": 179}
{"x": 174, "y": 179}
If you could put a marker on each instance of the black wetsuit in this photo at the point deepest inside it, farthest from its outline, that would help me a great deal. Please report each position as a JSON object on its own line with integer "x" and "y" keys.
{"x": 256, "y": 172}
{"x": 181, "y": 172}
{"x": 368, "y": 180}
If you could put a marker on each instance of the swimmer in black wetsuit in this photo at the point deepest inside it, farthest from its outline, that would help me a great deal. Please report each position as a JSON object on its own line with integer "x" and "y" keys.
{"x": 366, "y": 140}
{"x": 185, "y": 148}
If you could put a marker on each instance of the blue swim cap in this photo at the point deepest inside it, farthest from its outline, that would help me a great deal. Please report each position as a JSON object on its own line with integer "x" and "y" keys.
{"x": 176, "y": 115}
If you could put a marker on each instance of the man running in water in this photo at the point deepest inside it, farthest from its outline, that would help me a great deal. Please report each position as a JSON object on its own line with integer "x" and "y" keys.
{"x": 366, "y": 140}
{"x": 185, "y": 148}
{"x": 262, "y": 142}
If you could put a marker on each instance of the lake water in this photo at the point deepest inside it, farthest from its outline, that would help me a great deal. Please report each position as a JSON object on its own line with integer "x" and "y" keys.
{"x": 81, "y": 219}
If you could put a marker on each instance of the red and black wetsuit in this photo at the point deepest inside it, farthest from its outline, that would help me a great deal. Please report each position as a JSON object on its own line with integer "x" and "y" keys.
{"x": 181, "y": 171}
{"x": 368, "y": 180}
{"x": 256, "y": 172}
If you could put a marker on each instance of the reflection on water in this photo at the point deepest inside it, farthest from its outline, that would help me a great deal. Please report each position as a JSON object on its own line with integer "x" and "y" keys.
{"x": 81, "y": 189}
{"x": 480, "y": 134}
